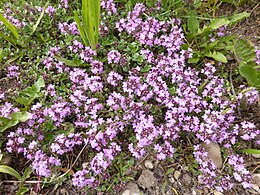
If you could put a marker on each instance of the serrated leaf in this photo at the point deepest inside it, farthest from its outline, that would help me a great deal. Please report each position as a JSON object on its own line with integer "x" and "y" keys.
{"x": 244, "y": 51}
{"x": 193, "y": 24}
{"x": 251, "y": 151}
{"x": 238, "y": 17}
{"x": 10, "y": 171}
{"x": 218, "y": 22}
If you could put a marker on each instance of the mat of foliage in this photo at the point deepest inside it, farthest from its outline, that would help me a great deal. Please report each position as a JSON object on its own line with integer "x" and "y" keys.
{"x": 83, "y": 116}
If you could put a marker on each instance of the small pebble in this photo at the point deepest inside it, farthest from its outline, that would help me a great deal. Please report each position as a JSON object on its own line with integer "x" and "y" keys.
{"x": 171, "y": 180}
{"x": 255, "y": 187}
{"x": 218, "y": 193}
{"x": 256, "y": 155}
{"x": 177, "y": 175}
{"x": 126, "y": 192}
{"x": 148, "y": 164}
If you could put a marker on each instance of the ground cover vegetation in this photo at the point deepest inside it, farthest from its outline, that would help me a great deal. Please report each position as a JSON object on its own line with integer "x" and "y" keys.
{"x": 88, "y": 88}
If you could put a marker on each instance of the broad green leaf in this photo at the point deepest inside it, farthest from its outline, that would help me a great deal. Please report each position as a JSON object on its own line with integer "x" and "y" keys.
{"x": 193, "y": 60}
{"x": 20, "y": 116}
{"x": 23, "y": 100}
{"x": 244, "y": 51}
{"x": 39, "y": 84}
{"x": 193, "y": 24}
{"x": 217, "y": 56}
{"x": 10, "y": 171}
{"x": 1, "y": 157}
{"x": 218, "y": 22}
{"x": 8, "y": 124}
{"x": 10, "y": 26}
{"x": 251, "y": 151}
{"x": 250, "y": 74}
{"x": 238, "y": 17}
{"x": 40, "y": 18}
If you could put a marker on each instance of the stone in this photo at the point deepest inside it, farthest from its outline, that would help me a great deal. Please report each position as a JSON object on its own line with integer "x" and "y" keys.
{"x": 187, "y": 179}
{"x": 214, "y": 153}
{"x": 148, "y": 164}
{"x": 171, "y": 180}
{"x": 256, "y": 188}
{"x": 177, "y": 175}
{"x": 217, "y": 193}
{"x": 256, "y": 155}
{"x": 126, "y": 192}
{"x": 146, "y": 180}
{"x": 133, "y": 189}
{"x": 256, "y": 179}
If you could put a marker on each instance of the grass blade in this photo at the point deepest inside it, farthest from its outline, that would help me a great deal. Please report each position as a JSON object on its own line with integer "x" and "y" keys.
{"x": 9, "y": 39}
{"x": 81, "y": 31}
{"x": 39, "y": 19}
{"x": 10, "y": 26}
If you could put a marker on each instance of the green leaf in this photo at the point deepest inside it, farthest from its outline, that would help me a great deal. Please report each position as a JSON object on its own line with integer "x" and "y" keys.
{"x": 9, "y": 123}
{"x": 81, "y": 31}
{"x": 250, "y": 74}
{"x": 20, "y": 116}
{"x": 22, "y": 190}
{"x": 170, "y": 171}
{"x": 244, "y": 51}
{"x": 40, "y": 18}
{"x": 164, "y": 186}
{"x": 217, "y": 56}
{"x": 67, "y": 62}
{"x": 238, "y": 17}
{"x": 30, "y": 93}
{"x": 23, "y": 100}
{"x": 197, "y": 3}
{"x": 193, "y": 60}
{"x": 10, "y": 171}
{"x": 218, "y": 22}
{"x": 9, "y": 39}
{"x": 10, "y": 26}
{"x": 27, "y": 173}
{"x": 193, "y": 24}
{"x": 251, "y": 151}
{"x": 146, "y": 68}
